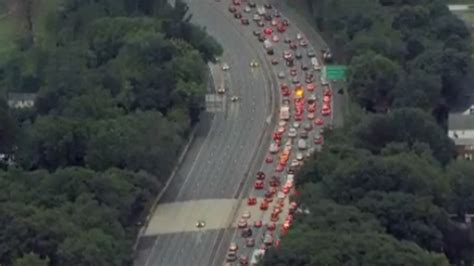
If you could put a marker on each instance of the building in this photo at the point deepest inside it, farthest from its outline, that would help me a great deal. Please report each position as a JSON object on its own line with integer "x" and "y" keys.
{"x": 21, "y": 100}
{"x": 461, "y": 130}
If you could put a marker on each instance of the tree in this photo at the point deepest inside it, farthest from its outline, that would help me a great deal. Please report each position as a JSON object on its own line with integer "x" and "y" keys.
{"x": 92, "y": 247}
{"x": 373, "y": 79}
{"x": 135, "y": 142}
{"x": 403, "y": 172}
{"x": 332, "y": 248}
{"x": 407, "y": 217}
{"x": 8, "y": 129}
{"x": 52, "y": 142}
{"x": 404, "y": 125}
{"x": 462, "y": 185}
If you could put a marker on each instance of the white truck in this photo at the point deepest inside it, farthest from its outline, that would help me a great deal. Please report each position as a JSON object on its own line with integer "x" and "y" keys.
{"x": 285, "y": 113}
{"x": 315, "y": 63}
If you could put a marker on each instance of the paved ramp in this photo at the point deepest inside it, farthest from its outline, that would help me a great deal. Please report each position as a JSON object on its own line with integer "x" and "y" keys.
{"x": 180, "y": 217}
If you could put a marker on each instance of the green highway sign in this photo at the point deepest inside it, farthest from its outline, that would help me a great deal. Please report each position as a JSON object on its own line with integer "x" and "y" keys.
{"x": 335, "y": 72}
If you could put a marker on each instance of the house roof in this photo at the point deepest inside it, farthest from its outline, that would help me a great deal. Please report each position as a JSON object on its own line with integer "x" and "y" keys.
{"x": 460, "y": 122}
{"x": 464, "y": 142}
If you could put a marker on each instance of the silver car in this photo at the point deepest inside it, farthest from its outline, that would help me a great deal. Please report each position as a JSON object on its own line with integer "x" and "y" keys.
{"x": 281, "y": 75}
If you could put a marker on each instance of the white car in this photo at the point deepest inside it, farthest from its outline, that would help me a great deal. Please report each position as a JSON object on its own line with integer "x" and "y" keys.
{"x": 273, "y": 148}
{"x": 247, "y": 9}
{"x": 302, "y": 144}
{"x": 225, "y": 67}
{"x": 324, "y": 81}
{"x": 296, "y": 125}
{"x": 282, "y": 123}
{"x": 299, "y": 36}
{"x": 275, "y": 38}
{"x": 292, "y": 132}
{"x": 299, "y": 156}
{"x": 274, "y": 22}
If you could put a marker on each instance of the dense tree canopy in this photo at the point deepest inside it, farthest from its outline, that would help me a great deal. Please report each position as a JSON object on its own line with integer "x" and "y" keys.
{"x": 384, "y": 187}
{"x": 400, "y": 53}
{"x": 118, "y": 85}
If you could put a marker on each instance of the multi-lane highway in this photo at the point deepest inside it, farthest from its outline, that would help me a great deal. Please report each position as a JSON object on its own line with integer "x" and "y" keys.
{"x": 217, "y": 164}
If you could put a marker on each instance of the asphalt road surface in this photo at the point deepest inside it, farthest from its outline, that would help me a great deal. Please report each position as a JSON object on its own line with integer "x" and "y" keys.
{"x": 216, "y": 165}
{"x": 269, "y": 168}
{"x": 218, "y": 161}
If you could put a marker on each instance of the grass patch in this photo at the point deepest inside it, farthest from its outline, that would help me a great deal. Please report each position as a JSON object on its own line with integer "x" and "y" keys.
{"x": 8, "y": 35}
{"x": 42, "y": 13}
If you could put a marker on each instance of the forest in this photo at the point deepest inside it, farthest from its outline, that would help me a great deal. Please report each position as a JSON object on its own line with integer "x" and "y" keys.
{"x": 118, "y": 85}
{"x": 387, "y": 188}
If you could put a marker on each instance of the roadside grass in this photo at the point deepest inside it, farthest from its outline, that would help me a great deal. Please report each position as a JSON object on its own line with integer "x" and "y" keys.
{"x": 11, "y": 29}
{"x": 8, "y": 35}
{"x": 41, "y": 23}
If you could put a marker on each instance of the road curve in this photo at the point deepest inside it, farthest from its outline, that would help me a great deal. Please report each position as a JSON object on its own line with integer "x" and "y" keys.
{"x": 216, "y": 166}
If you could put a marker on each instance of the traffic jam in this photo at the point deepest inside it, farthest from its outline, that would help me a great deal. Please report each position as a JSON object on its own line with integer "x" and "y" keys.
{"x": 305, "y": 111}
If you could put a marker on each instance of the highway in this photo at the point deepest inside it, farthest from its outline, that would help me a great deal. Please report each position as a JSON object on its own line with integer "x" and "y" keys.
{"x": 216, "y": 165}
{"x": 269, "y": 168}
{"x": 219, "y": 159}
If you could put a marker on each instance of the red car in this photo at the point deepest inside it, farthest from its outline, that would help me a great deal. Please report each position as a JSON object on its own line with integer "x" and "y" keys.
{"x": 274, "y": 182}
{"x": 258, "y": 223}
{"x": 271, "y": 226}
{"x": 264, "y": 206}
{"x": 326, "y": 110}
{"x": 286, "y": 190}
{"x": 281, "y": 28}
{"x": 327, "y": 99}
{"x": 274, "y": 217}
{"x": 268, "y": 200}
{"x": 327, "y": 92}
{"x": 312, "y": 107}
{"x": 236, "y": 2}
{"x": 268, "y": 31}
{"x": 286, "y": 92}
{"x": 259, "y": 184}
{"x": 298, "y": 118}
{"x": 269, "y": 159}
{"x": 311, "y": 87}
{"x": 260, "y": 175}
{"x": 251, "y": 201}
{"x": 280, "y": 167}
{"x": 276, "y": 135}
{"x": 318, "y": 121}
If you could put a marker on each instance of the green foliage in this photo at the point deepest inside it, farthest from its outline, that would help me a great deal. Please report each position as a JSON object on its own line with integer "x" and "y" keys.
{"x": 74, "y": 216}
{"x": 372, "y": 80}
{"x": 410, "y": 126}
{"x": 119, "y": 85}
{"x": 420, "y": 44}
{"x": 334, "y": 248}
{"x": 31, "y": 260}
{"x": 461, "y": 179}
